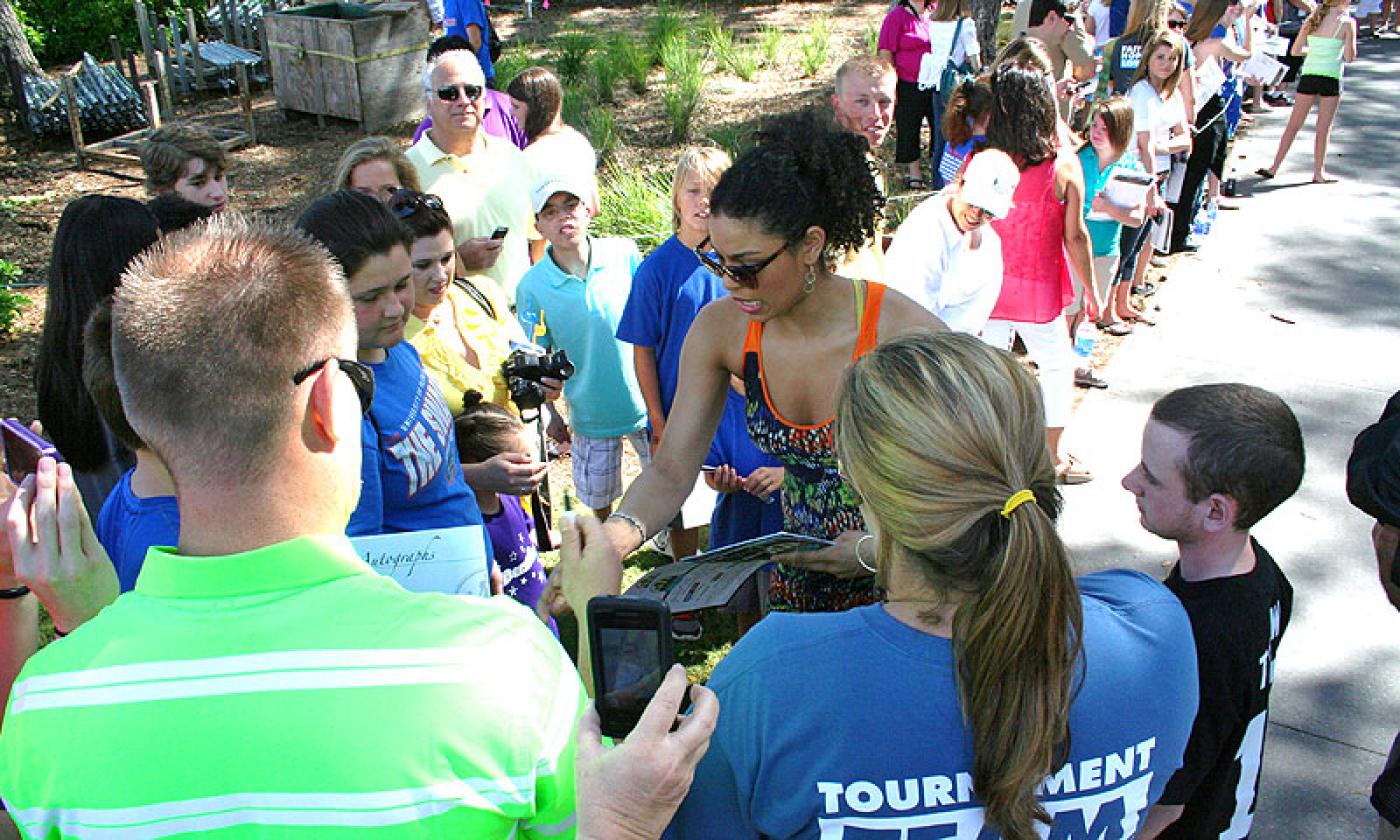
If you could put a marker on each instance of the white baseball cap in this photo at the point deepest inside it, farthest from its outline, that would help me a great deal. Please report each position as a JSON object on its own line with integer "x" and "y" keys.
{"x": 576, "y": 187}
{"x": 989, "y": 181}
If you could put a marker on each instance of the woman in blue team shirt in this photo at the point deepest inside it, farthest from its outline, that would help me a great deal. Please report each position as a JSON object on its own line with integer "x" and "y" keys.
{"x": 989, "y": 688}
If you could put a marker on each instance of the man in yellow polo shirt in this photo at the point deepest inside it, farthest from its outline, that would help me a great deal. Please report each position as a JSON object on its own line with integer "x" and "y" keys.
{"x": 483, "y": 181}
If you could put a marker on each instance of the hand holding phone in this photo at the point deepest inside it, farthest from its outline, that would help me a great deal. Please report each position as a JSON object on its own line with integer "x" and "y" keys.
{"x": 23, "y": 449}
{"x": 630, "y": 643}
{"x": 634, "y": 788}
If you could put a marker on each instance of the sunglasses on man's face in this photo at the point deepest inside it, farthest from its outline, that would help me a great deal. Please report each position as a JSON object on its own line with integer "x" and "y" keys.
{"x": 405, "y": 202}
{"x": 745, "y": 275}
{"x": 361, "y": 376}
{"x": 449, "y": 93}
{"x": 1176, "y": 24}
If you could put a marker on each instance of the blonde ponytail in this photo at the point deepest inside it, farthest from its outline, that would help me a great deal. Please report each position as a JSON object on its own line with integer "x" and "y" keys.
{"x": 936, "y": 432}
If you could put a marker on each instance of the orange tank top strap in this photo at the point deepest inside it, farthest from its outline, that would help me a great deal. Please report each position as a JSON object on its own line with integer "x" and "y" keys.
{"x": 874, "y": 295}
{"x": 753, "y": 338}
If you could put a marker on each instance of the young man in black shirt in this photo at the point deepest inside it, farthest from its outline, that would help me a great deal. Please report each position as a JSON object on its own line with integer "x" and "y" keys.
{"x": 1215, "y": 460}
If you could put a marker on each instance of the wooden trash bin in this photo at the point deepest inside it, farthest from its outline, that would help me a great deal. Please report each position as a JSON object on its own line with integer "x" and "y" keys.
{"x": 354, "y": 61}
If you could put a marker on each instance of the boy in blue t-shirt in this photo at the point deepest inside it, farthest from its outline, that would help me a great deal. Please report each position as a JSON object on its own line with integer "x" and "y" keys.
{"x": 573, "y": 300}
{"x": 670, "y": 289}
{"x": 140, "y": 512}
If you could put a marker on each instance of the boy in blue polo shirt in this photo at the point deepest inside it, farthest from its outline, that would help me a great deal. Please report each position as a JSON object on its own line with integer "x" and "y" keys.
{"x": 573, "y": 300}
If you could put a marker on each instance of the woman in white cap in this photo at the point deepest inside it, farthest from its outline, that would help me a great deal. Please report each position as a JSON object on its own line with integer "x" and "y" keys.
{"x": 946, "y": 256}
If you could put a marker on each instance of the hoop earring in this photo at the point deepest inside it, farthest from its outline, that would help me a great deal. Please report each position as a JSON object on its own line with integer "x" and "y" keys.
{"x": 861, "y": 560}
{"x": 811, "y": 282}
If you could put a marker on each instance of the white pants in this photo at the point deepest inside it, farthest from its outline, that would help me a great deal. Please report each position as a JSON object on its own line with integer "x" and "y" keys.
{"x": 1048, "y": 345}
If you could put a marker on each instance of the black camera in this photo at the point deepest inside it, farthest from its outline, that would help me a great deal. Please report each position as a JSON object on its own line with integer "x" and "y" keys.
{"x": 526, "y": 366}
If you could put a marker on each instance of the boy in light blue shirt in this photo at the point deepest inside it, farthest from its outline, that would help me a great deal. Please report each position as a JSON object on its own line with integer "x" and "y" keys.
{"x": 572, "y": 300}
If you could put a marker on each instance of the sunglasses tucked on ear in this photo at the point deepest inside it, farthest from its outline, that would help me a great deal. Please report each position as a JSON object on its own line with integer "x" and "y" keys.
{"x": 745, "y": 275}
{"x": 449, "y": 93}
{"x": 405, "y": 202}
{"x": 361, "y": 376}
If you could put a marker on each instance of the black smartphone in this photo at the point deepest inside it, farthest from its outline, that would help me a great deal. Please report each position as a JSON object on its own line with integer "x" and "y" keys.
{"x": 23, "y": 449}
{"x": 630, "y": 639}
{"x": 500, "y": 232}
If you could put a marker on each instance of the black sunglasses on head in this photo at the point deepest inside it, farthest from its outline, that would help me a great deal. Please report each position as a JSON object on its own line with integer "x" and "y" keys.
{"x": 745, "y": 275}
{"x": 405, "y": 202}
{"x": 448, "y": 93}
{"x": 361, "y": 376}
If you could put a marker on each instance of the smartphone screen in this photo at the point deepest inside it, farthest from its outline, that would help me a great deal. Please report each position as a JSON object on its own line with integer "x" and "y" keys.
{"x": 500, "y": 233}
{"x": 631, "y": 644}
{"x": 22, "y": 449}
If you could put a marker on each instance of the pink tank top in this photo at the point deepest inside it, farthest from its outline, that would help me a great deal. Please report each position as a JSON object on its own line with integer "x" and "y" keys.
{"x": 1035, "y": 284}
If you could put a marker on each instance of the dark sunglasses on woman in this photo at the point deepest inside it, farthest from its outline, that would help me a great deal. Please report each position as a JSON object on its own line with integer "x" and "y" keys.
{"x": 745, "y": 275}
{"x": 405, "y": 202}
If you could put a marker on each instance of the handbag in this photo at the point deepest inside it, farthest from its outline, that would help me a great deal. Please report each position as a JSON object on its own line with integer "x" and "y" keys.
{"x": 954, "y": 74}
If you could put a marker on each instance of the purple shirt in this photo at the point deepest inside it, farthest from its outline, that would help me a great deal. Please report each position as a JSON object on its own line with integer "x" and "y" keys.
{"x": 498, "y": 120}
{"x": 513, "y": 541}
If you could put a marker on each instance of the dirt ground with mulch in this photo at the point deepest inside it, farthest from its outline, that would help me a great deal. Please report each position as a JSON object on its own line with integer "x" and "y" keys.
{"x": 294, "y": 158}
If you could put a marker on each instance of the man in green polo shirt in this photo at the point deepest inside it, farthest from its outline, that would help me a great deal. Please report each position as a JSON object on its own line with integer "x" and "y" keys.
{"x": 261, "y": 680}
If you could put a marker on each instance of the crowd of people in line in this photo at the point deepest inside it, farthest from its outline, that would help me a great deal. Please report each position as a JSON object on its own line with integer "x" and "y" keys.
{"x": 228, "y": 663}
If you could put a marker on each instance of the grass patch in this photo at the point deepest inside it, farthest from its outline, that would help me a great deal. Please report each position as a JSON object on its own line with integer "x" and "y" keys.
{"x": 816, "y": 47}
{"x": 634, "y": 203}
{"x": 12, "y": 303}
{"x": 601, "y": 129}
{"x": 571, "y": 52}
{"x": 513, "y": 60}
{"x": 633, "y": 62}
{"x": 577, "y": 105}
{"x": 871, "y": 38}
{"x": 666, "y": 25}
{"x": 734, "y": 138}
{"x": 770, "y": 45}
{"x": 685, "y": 80}
{"x": 603, "y": 75}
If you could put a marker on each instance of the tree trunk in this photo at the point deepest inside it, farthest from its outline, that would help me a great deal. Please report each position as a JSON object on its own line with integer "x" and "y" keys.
{"x": 12, "y": 38}
{"x": 986, "y": 13}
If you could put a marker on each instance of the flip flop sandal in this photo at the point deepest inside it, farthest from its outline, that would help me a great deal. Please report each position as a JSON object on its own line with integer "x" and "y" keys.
{"x": 1087, "y": 379}
{"x": 915, "y": 185}
{"x": 1073, "y": 472}
{"x": 1263, "y": 173}
{"x": 1143, "y": 319}
{"x": 1117, "y": 328}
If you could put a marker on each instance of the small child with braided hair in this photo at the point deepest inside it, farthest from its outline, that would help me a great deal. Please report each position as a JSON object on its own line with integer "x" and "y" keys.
{"x": 485, "y": 430}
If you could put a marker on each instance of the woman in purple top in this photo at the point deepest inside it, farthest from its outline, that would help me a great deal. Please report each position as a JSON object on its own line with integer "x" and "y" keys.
{"x": 485, "y": 431}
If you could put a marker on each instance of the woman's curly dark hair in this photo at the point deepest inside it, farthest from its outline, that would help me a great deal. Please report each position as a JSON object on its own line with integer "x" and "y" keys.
{"x": 803, "y": 172}
{"x": 1023, "y": 115}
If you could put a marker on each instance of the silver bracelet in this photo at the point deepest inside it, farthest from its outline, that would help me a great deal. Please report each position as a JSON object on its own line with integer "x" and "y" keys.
{"x": 642, "y": 534}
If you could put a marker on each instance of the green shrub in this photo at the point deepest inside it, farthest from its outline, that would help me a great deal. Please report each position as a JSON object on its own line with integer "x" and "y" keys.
{"x": 601, "y": 129}
{"x": 571, "y": 51}
{"x": 815, "y": 47}
{"x": 631, "y": 61}
{"x": 871, "y": 37}
{"x": 603, "y": 75}
{"x": 60, "y": 31}
{"x": 665, "y": 26}
{"x": 770, "y": 44}
{"x": 514, "y": 58}
{"x": 685, "y": 79}
{"x": 577, "y": 105}
{"x": 12, "y": 303}
{"x": 636, "y": 204}
{"x": 743, "y": 62}
{"x": 734, "y": 138}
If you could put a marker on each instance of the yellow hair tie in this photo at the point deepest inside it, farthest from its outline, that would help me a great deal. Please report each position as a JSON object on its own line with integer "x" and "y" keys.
{"x": 1017, "y": 499}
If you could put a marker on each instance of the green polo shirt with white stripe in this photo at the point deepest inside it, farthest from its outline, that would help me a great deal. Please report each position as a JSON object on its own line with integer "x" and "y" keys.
{"x": 292, "y": 691}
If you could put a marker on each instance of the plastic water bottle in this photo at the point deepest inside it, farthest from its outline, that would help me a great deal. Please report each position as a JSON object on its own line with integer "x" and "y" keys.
{"x": 1084, "y": 339}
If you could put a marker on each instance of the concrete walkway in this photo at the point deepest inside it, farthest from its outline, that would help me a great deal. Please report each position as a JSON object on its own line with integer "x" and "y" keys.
{"x": 1296, "y": 292}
